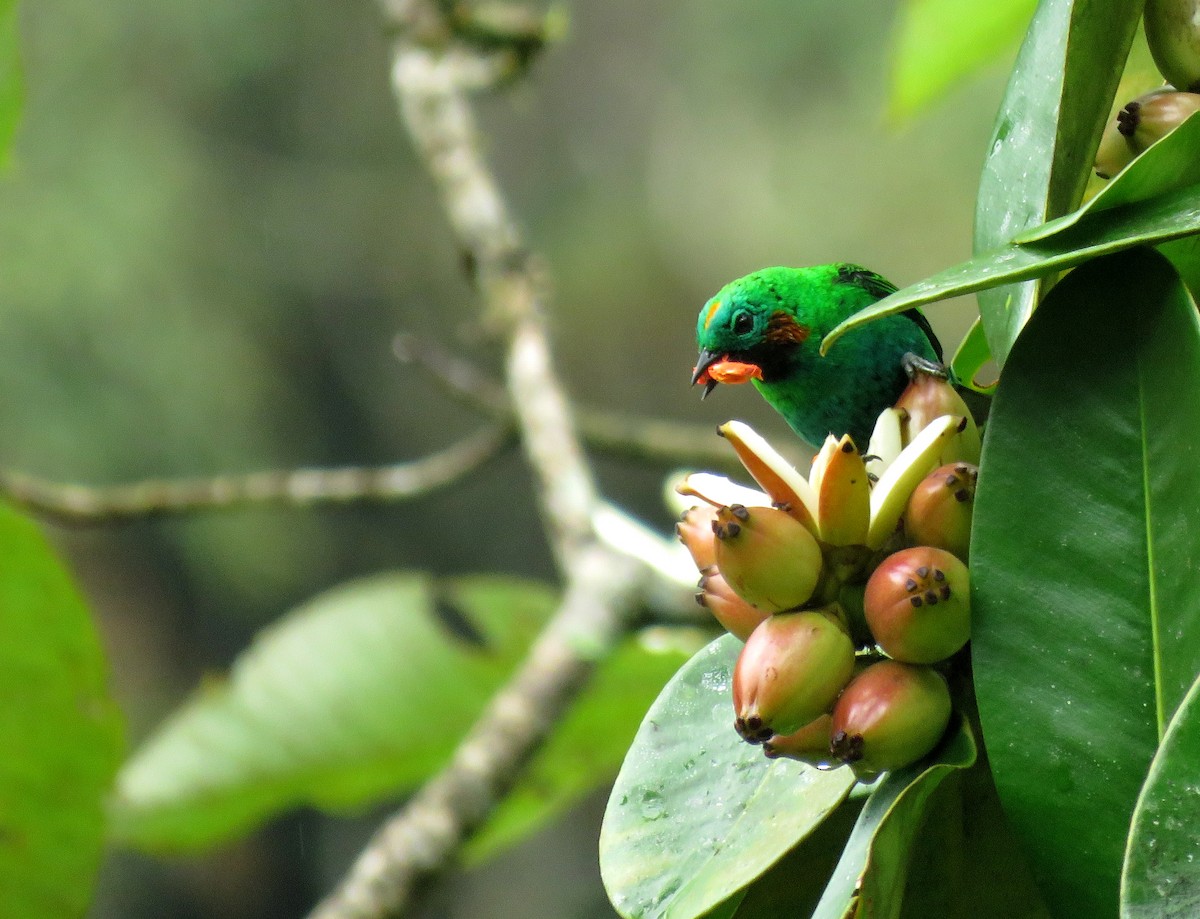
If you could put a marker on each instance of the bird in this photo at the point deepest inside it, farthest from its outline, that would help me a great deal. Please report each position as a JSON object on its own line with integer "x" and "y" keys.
{"x": 767, "y": 328}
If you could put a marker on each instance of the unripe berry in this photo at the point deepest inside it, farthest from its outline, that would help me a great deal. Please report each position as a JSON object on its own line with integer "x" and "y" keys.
{"x": 918, "y": 605}
{"x": 928, "y": 397}
{"x": 695, "y": 531}
{"x": 940, "y": 507}
{"x": 890, "y": 716}
{"x": 1173, "y": 34}
{"x": 736, "y": 615}
{"x": 1115, "y": 151}
{"x": 1153, "y": 116}
{"x": 789, "y": 673}
{"x": 809, "y": 745}
{"x": 766, "y": 556}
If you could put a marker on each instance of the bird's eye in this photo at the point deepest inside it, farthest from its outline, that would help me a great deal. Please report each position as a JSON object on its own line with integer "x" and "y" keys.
{"x": 742, "y": 323}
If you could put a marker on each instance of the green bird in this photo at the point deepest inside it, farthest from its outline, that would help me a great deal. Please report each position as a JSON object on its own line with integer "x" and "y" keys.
{"x": 767, "y": 327}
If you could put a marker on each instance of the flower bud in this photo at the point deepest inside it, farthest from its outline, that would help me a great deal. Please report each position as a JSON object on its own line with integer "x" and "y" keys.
{"x": 890, "y": 716}
{"x": 939, "y": 511}
{"x": 918, "y": 605}
{"x": 1153, "y": 116}
{"x": 736, "y": 615}
{"x": 1173, "y": 34}
{"x": 695, "y": 531}
{"x": 766, "y": 556}
{"x": 928, "y": 397}
{"x": 809, "y": 745}
{"x": 789, "y": 673}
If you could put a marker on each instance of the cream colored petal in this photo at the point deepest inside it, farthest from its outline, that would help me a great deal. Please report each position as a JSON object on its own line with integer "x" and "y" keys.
{"x": 779, "y": 479}
{"x": 716, "y": 490}
{"x": 844, "y": 497}
{"x": 820, "y": 461}
{"x": 886, "y": 442}
{"x": 891, "y": 493}
{"x": 965, "y": 447}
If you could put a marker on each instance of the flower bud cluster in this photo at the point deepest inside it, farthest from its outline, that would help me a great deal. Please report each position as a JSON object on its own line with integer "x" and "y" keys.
{"x": 850, "y": 587}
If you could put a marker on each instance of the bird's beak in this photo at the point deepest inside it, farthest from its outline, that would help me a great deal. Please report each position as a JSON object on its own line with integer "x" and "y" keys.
{"x": 700, "y": 372}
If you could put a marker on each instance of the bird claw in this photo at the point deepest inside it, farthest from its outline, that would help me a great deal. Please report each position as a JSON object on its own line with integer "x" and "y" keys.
{"x": 915, "y": 365}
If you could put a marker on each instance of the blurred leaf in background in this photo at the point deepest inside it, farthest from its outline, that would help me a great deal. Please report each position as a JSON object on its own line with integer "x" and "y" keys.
{"x": 61, "y": 732}
{"x": 938, "y": 43}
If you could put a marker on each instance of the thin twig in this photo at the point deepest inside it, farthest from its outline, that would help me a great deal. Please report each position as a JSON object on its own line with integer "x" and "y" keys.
{"x": 419, "y": 841}
{"x": 428, "y": 84}
{"x": 78, "y": 505}
{"x": 602, "y": 587}
{"x": 615, "y": 433}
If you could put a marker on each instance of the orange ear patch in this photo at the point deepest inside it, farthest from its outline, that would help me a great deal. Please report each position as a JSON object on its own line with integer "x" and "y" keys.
{"x": 712, "y": 311}
{"x": 784, "y": 330}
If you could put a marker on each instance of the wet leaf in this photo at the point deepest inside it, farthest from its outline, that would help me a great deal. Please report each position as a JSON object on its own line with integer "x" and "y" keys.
{"x": 1086, "y": 630}
{"x": 696, "y": 814}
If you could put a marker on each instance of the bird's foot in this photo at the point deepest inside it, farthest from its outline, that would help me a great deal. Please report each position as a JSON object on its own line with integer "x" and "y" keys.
{"x": 915, "y": 365}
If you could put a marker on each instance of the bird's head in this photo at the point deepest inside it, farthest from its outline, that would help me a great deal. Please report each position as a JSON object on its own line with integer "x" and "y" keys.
{"x": 753, "y": 328}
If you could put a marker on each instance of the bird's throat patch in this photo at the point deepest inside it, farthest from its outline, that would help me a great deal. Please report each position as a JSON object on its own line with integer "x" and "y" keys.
{"x": 782, "y": 329}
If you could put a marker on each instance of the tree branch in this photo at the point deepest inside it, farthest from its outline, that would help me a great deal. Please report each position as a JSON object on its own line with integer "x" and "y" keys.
{"x": 650, "y": 439}
{"x": 420, "y": 840}
{"x": 602, "y": 586}
{"x": 78, "y": 505}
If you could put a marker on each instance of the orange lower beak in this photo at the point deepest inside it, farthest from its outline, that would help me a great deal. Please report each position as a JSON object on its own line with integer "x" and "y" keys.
{"x": 733, "y": 372}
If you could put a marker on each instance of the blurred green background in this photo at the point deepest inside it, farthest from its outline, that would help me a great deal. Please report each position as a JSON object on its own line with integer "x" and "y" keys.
{"x": 212, "y": 226}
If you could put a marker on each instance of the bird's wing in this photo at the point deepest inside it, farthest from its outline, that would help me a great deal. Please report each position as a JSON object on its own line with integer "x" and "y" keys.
{"x": 923, "y": 324}
{"x": 879, "y": 287}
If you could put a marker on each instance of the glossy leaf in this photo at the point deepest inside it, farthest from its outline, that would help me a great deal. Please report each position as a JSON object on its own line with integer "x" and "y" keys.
{"x": 1157, "y": 220}
{"x": 870, "y": 877}
{"x": 362, "y": 693}
{"x": 1086, "y": 630}
{"x": 1045, "y": 136}
{"x": 793, "y": 886}
{"x": 1170, "y": 164}
{"x": 696, "y": 814}
{"x": 939, "y": 42}
{"x": 1161, "y": 879}
{"x": 970, "y": 358}
{"x": 1184, "y": 255}
{"x": 61, "y": 732}
{"x": 987, "y": 876}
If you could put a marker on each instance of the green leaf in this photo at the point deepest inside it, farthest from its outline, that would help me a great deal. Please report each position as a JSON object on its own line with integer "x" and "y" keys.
{"x": 970, "y": 358}
{"x": 586, "y": 748}
{"x": 871, "y": 874}
{"x": 359, "y": 693}
{"x": 938, "y": 42}
{"x": 793, "y": 886}
{"x": 1046, "y": 133}
{"x": 11, "y": 85}
{"x": 1170, "y": 164}
{"x": 1086, "y": 630}
{"x": 1161, "y": 879}
{"x": 696, "y": 814}
{"x": 1160, "y": 219}
{"x": 987, "y": 875}
{"x": 61, "y": 732}
{"x": 1184, "y": 255}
